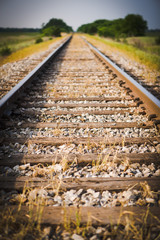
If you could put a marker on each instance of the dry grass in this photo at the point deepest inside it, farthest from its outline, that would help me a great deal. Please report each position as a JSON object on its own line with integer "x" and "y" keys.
{"x": 142, "y": 230}
{"x": 14, "y": 226}
{"x": 28, "y": 51}
{"x": 134, "y": 53}
{"x": 150, "y": 62}
{"x": 17, "y": 225}
{"x": 133, "y": 227}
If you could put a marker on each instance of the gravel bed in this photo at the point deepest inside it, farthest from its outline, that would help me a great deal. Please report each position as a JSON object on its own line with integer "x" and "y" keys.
{"x": 107, "y": 232}
{"x": 130, "y": 197}
{"x": 95, "y": 108}
{"x": 101, "y": 75}
{"x": 72, "y": 148}
{"x": 105, "y": 169}
{"x": 84, "y": 118}
{"x": 22, "y": 67}
{"x": 83, "y": 92}
{"x": 123, "y": 101}
{"x": 89, "y": 91}
{"x": 88, "y": 78}
{"x": 79, "y": 66}
{"x": 107, "y": 87}
{"x": 118, "y": 93}
{"x": 94, "y": 118}
{"x": 73, "y": 132}
{"x": 24, "y": 110}
{"x": 84, "y": 89}
{"x": 145, "y": 75}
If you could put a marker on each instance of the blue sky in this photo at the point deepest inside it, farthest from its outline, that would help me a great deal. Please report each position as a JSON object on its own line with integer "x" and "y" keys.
{"x": 32, "y": 13}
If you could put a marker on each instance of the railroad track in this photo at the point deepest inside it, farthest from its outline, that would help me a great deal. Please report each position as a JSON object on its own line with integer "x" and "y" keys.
{"x": 148, "y": 79}
{"x": 81, "y": 144}
{"x": 12, "y": 74}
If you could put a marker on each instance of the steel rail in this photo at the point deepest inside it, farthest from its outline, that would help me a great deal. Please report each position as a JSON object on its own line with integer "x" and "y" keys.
{"x": 149, "y": 99}
{"x": 15, "y": 92}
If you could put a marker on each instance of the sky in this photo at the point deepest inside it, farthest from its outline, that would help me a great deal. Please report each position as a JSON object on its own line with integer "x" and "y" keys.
{"x": 32, "y": 13}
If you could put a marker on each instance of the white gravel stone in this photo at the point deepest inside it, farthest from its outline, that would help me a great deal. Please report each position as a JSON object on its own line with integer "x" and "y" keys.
{"x": 157, "y": 173}
{"x": 77, "y": 237}
{"x": 24, "y": 167}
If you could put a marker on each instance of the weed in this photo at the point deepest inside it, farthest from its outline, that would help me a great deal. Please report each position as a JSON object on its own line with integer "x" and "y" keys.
{"x": 67, "y": 220}
{"x": 78, "y": 220}
{"x": 5, "y": 51}
{"x": 15, "y": 224}
{"x": 64, "y": 163}
{"x": 76, "y": 226}
{"x": 138, "y": 43}
{"x": 57, "y": 131}
{"x": 39, "y": 40}
{"x": 101, "y": 164}
{"x": 136, "y": 227}
{"x": 80, "y": 148}
{"x": 146, "y": 190}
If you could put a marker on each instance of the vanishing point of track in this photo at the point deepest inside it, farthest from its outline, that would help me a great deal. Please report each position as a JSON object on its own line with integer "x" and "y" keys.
{"x": 82, "y": 138}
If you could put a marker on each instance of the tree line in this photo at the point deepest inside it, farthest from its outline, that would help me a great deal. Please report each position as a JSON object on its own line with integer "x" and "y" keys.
{"x": 5, "y": 30}
{"x": 53, "y": 27}
{"x": 131, "y": 25}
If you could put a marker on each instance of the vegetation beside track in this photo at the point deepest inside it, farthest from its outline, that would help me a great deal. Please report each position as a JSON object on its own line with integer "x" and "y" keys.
{"x": 140, "y": 49}
{"x": 13, "y": 39}
{"x": 17, "y": 40}
{"x": 23, "y": 45}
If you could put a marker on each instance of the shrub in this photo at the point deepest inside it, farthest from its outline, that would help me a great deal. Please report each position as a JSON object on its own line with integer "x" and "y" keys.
{"x": 5, "y": 51}
{"x": 52, "y": 31}
{"x": 39, "y": 40}
{"x": 123, "y": 38}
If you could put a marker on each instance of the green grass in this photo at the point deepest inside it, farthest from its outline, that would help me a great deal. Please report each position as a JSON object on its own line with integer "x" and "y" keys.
{"x": 27, "y": 51}
{"x": 147, "y": 44}
{"x": 16, "y": 41}
{"x": 22, "y": 45}
{"x": 146, "y": 40}
{"x": 153, "y": 50}
{"x": 138, "y": 52}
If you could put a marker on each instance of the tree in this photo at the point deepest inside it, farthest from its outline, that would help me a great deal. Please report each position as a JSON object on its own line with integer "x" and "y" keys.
{"x": 131, "y": 25}
{"x": 105, "y": 32}
{"x": 134, "y": 25}
{"x": 52, "y": 31}
{"x": 92, "y": 29}
{"x": 54, "y": 27}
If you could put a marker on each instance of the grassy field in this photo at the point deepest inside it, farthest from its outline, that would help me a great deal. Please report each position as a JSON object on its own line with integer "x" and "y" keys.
{"x": 147, "y": 44}
{"x": 22, "y": 45}
{"x": 16, "y": 40}
{"x": 141, "y": 49}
